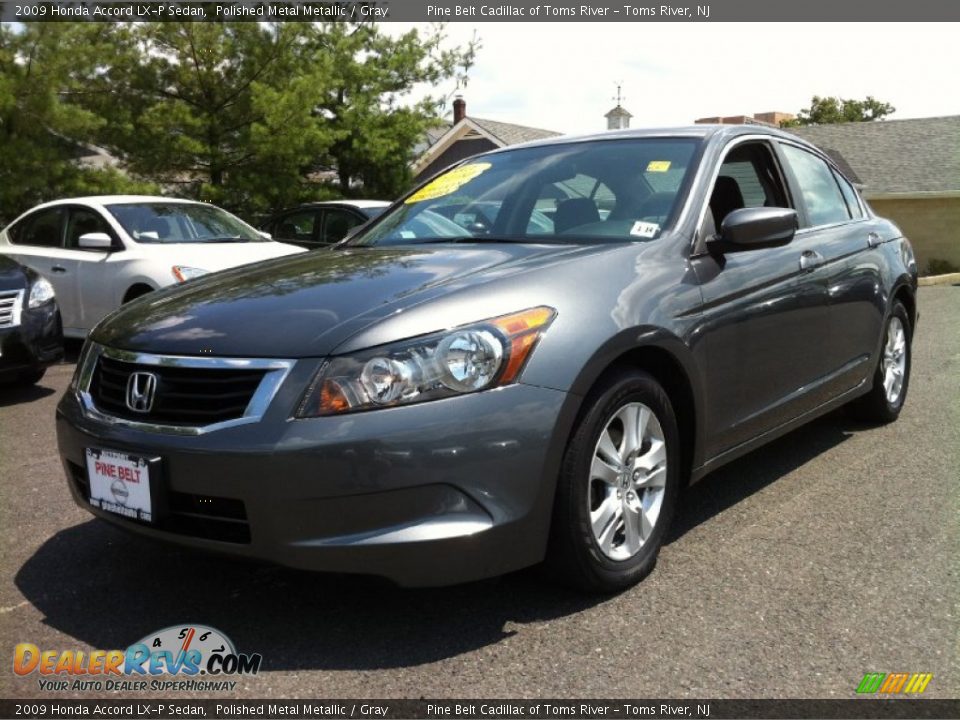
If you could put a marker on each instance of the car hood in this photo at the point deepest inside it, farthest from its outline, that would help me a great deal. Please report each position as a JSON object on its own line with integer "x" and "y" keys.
{"x": 217, "y": 256}
{"x": 305, "y": 306}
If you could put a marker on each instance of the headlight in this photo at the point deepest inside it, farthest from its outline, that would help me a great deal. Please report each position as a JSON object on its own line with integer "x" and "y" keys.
{"x": 183, "y": 273}
{"x": 40, "y": 292}
{"x": 474, "y": 357}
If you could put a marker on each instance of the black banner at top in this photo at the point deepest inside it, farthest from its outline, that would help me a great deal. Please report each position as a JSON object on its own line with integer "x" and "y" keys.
{"x": 167, "y": 709}
{"x": 478, "y": 11}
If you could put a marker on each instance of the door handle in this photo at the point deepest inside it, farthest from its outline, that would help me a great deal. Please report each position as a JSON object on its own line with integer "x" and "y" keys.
{"x": 58, "y": 269}
{"x": 810, "y": 259}
{"x": 874, "y": 239}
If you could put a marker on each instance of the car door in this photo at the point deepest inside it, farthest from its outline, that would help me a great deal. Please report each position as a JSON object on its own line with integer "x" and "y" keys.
{"x": 95, "y": 270}
{"x": 843, "y": 242}
{"x": 37, "y": 242}
{"x": 763, "y": 316}
{"x": 299, "y": 227}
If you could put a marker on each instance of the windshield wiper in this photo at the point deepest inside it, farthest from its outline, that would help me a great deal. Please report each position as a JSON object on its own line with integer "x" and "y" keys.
{"x": 233, "y": 239}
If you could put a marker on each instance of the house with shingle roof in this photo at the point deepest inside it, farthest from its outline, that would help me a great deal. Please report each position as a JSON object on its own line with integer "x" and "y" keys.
{"x": 909, "y": 171}
{"x": 468, "y": 136}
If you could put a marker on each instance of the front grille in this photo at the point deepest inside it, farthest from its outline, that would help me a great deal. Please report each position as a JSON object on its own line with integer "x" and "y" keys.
{"x": 200, "y": 516}
{"x": 184, "y": 396}
{"x": 10, "y": 308}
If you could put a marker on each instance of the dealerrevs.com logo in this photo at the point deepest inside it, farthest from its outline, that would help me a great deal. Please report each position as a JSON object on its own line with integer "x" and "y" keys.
{"x": 172, "y": 659}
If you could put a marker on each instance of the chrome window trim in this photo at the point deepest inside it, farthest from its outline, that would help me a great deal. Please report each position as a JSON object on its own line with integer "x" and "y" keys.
{"x": 737, "y": 140}
{"x": 829, "y": 226}
{"x": 276, "y": 372}
{"x": 770, "y": 139}
{"x": 16, "y": 314}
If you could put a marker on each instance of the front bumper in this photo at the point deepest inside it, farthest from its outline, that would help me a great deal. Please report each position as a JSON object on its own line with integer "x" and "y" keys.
{"x": 33, "y": 344}
{"x": 432, "y": 494}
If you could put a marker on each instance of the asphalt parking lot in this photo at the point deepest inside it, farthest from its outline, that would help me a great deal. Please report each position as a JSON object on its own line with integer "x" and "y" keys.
{"x": 831, "y": 553}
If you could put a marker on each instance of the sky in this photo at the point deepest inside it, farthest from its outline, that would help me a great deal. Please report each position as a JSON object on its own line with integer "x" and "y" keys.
{"x": 563, "y": 77}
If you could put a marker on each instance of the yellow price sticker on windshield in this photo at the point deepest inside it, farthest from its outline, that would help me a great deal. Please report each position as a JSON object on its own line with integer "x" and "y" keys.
{"x": 448, "y": 182}
{"x": 658, "y": 166}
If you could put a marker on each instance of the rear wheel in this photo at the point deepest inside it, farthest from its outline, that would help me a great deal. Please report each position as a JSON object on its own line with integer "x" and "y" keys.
{"x": 618, "y": 486}
{"x": 892, "y": 375}
{"x": 136, "y": 291}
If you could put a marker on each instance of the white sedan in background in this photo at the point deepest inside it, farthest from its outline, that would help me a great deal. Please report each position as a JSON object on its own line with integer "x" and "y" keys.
{"x": 100, "y": 252}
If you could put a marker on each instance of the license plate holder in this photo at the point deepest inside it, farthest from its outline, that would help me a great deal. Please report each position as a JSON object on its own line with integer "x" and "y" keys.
{"x": 120, "y": 483}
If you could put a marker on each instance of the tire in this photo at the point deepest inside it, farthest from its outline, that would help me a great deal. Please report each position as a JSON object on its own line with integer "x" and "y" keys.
{"x": 31, "y": 377}
{"x": 891, "y": 378}
{"x": 591, "y": 493}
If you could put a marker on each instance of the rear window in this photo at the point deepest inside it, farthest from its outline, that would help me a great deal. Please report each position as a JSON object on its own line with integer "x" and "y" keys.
{"x": 43, "y": 228}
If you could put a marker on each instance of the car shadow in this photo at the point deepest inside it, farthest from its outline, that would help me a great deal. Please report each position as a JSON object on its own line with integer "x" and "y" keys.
{"x": 71, "y": 349}
{"x": 108, "y": 588}
{"x": 18, "y": 394}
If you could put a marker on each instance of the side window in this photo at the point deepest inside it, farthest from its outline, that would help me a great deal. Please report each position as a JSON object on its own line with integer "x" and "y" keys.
{"x": 850, "y": 195}
{"x": 337, "y": 223}
{"x": 42, "y": 229}
{"x": 297, "y": 226}
{"x": 821, "y": 194}
{"x": 748, "y": 177}
{"x": 81, "y": 222}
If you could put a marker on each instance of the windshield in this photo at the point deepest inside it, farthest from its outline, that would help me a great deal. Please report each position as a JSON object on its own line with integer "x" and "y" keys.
{"x": 594, "y": 191}
{"x": 181, "y": 223}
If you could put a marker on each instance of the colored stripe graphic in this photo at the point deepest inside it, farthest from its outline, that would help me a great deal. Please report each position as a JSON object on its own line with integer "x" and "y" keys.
{"x": 871, "y": 682}
{"x": 894, "y": 683}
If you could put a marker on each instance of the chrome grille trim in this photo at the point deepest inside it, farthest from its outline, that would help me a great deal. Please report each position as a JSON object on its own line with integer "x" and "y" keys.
{"x": 276, "y": 372}
{"x": 11, "y": 308}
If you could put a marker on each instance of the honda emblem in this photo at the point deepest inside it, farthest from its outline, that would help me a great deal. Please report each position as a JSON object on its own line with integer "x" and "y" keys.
{"x": 141, "y": 390}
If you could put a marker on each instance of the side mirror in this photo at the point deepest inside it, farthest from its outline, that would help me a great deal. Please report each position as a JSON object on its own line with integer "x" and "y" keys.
{"x": 95, "y": 241}
{"x": 265, "y": 235}
{"x": 759, "y": 227}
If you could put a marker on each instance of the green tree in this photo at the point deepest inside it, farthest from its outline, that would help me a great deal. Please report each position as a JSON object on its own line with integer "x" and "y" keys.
{"x": 221, "y": 111}
{"x": 42, "y": 130}
{"x": 367, "y": 104}
{"x": 831, "y": 110}
{"x": 241, "y": 114}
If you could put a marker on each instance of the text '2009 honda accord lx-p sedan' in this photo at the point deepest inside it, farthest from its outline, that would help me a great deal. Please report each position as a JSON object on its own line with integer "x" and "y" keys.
{"x": 525, "y": 359}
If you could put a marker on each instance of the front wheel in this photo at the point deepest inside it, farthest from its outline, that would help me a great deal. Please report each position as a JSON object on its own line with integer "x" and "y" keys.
{"x": 892, "y": 376}
{"x": 618, "y": 486}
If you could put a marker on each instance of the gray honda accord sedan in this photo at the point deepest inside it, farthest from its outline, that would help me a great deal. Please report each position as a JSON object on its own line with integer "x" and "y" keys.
{"x": 523, "y": 360}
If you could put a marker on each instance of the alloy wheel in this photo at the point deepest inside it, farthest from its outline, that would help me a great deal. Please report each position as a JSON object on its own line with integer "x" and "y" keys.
{"x": 894, "y": 364}
{"x": 628, "y": 476}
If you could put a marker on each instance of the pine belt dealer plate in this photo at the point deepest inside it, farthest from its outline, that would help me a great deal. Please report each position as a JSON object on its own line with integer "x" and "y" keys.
{"x": 120, "y": 483}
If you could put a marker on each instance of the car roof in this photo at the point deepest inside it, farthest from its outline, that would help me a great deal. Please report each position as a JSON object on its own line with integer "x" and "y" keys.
{"x": 100, "y": 200}
{"x": 350, "y": 203}
{"x": 364, "y": 203}
{"x": 703, "y": 132}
